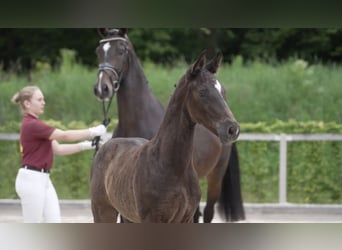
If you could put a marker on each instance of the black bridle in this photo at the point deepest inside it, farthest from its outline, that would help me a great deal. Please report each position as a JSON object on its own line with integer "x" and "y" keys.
{"x": 103, "y": 67}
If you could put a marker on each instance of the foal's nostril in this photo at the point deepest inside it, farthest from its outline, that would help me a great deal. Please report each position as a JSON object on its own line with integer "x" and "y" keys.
{"x": 233, "y": 130}
{"x": 229, "y": 131}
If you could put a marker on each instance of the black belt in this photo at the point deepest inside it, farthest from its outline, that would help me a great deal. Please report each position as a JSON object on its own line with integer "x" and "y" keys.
{"x": 36, "y": 169}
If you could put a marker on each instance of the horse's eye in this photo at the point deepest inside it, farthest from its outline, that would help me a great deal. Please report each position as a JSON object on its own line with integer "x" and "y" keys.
{"x": 121, "y": 50}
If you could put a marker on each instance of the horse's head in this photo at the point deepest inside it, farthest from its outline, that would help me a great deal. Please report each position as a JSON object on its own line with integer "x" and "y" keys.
{"x": 112, "y": 57}
{"x": 206, "y": 102}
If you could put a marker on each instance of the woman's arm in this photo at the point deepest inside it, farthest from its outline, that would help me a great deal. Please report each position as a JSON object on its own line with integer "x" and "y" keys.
{"x": 77, "y": 135}
{"x": 68, "y": 149}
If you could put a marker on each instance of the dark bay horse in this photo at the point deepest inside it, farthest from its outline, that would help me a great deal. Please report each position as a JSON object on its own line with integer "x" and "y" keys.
{"x": 140, "y": 115}
{"x": 155, "y": 180}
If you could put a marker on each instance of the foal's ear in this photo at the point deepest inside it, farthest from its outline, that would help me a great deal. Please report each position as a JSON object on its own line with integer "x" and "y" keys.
{"x": 199, "y": 64}
{"x": 215, "y": 63}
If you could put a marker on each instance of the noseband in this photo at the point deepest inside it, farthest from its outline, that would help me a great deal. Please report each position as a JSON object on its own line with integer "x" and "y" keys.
{"x": 107, "y": 66}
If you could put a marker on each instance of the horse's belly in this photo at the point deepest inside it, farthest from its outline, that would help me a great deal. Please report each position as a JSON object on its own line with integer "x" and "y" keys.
{"x": 207, "y": 151}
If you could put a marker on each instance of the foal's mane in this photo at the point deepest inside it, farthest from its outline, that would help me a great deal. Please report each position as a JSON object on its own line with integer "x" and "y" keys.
{"x": 183, "y": 83}
{"x": 181, "y": 92}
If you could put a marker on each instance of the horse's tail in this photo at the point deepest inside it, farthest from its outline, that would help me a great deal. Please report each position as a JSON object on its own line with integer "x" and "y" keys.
{"x": 230, "y": 202}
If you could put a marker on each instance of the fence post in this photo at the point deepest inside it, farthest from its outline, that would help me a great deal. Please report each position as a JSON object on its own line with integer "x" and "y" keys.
{"x": 282, "y": 169}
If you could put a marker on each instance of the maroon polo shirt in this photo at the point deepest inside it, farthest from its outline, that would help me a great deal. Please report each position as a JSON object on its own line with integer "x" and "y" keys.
{"x": 35, "y": 144}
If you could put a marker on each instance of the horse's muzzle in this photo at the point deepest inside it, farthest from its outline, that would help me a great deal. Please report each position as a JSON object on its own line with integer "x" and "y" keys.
{"x": 228, "y": 131}
{"x": 102, "y": 91}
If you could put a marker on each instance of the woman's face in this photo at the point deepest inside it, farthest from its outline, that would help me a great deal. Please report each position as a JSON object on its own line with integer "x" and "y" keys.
{"x": 36, "y": 105}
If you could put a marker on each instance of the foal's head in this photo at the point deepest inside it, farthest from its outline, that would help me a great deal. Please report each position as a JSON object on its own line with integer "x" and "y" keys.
{"x": 112, "y": 54}
{"x": 205, "y": 100}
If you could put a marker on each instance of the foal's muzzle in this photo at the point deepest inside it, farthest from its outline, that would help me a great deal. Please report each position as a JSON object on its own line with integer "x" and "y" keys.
{"x": 228, "y": 131}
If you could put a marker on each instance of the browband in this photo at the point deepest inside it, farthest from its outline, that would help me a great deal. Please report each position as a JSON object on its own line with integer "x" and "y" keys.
{"x": 112, "y": 39}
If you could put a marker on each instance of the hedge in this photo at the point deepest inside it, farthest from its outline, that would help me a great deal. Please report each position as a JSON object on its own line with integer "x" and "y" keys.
{"x": 314, "y": 168}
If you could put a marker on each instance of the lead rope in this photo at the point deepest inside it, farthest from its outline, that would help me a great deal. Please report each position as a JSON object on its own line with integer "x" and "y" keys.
{"x": 105, "y": 122}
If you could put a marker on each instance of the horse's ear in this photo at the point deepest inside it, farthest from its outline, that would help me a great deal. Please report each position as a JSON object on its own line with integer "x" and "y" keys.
{"x": 106, "y": 32}
{"x": 199, "y": 64}
{"x": 123, "y": 32}
{"x": 215, "y": 63}
{"x": 102, "y": 32}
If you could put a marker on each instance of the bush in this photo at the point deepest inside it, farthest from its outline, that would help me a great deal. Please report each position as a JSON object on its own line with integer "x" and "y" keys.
{"x": 313, "y": 168}
{"x": 292, "y": 91}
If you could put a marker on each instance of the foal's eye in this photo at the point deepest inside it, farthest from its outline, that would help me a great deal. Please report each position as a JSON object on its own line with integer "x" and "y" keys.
{"x": 203, "y": 93}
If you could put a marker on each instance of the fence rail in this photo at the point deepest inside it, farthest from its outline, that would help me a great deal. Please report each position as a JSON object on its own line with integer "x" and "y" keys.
{"x": 9, "y": 137}
{"x": 283, "y": 139}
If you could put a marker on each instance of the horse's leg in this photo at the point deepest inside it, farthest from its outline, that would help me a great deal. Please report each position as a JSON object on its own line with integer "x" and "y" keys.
{"x": 197, "y": 215}
{"x": 213, "y": 194}
{"x": 231, "y": 203}
{"x": 205, "y": 159}
{"x": 214, "y": 185}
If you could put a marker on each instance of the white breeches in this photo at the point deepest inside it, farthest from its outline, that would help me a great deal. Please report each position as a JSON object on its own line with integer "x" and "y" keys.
{"x": 38, "y": 197}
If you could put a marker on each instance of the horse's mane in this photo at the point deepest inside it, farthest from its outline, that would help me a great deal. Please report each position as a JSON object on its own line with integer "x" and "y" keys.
{"x": 134, "y": 61}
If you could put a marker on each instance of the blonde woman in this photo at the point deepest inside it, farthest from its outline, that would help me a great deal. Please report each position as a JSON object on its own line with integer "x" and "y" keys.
{"x": 39, "y": 142}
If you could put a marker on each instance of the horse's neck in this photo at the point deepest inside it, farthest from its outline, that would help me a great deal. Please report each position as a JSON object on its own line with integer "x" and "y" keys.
{"x": 140, "y": 113}
{"x": 134, "y": 91}
{"x": 174, "y": 140}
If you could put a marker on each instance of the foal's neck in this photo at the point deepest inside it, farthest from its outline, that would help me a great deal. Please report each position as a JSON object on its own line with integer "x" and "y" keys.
{"x": 174, "y": 140}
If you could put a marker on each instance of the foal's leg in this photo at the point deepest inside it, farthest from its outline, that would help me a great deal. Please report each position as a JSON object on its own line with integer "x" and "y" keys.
{"x": 104, "y": 212}
{"x": 124, "y": 220}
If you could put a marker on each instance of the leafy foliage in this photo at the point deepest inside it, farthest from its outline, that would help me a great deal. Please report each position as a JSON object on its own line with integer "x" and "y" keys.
{"x": 290, "y": 97}
{"x": 313, "y": 168}
{"x": 20, "y": 49}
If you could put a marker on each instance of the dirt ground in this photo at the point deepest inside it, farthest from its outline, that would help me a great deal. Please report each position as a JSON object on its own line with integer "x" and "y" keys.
{"x": 79, "y": 212}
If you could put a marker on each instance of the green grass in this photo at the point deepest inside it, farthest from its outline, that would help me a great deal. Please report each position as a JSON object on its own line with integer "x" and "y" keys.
{"x": 263, "y": 92}
{"x": 255, "y": 92}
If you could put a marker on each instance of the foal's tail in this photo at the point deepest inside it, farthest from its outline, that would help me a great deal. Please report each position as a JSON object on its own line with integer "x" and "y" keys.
{"x": 230, "y": 202}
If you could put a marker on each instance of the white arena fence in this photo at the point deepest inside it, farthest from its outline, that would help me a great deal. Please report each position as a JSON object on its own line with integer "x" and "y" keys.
{"x": 283, "y": 139}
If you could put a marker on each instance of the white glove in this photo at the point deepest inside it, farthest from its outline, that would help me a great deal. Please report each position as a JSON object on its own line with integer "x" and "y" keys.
{"x": 98, "y": 130}
{"x": 85, "y": 145}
